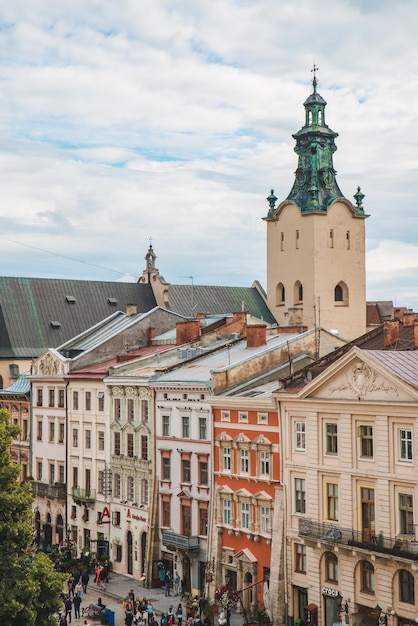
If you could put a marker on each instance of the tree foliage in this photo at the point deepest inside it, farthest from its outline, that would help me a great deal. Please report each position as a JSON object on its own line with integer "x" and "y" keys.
{"x": 29, "y": 587}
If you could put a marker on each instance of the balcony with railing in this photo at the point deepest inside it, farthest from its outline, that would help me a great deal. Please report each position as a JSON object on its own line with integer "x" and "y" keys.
{"x": 45, "y": 490}
{"x": 403, "y": 546}
{"x": 83, "y": 495}
{"x": 174, "y": 541}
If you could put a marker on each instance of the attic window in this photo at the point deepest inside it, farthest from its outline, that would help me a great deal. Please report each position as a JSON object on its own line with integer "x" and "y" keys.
{"x": 70, "y": 299}
{"x": 112, "y": 301}
{"x": 55, "y": 325}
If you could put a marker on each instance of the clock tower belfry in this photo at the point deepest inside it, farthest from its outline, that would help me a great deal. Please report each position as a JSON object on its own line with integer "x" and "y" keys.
{"x": 316, "y": 238}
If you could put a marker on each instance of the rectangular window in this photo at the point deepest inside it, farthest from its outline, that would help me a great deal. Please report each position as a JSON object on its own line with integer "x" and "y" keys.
{"x": 331, "y": 238}
{"x": 265, "y": 520}
{"x": 51, "y": 431}
{"x": 75, "y": 400}
{"x": 75, "y": 437}
{"x": 75, "y": 476}
{"x": 144, "y": 447}
{"x": 25, "y": 434}
{"x": 300, "y": 495}
{"x": 264, "y": 463}
{"x": 405, "y": 444}
{"x": 166, "y": 513}
{"x": 226, "y": 458}
{"x": 203, "y": 428}
{"x": 262, "y": 418}
{"x": 203, "y": 472}
{"x": 282, "y": 241}
{"x": 186, "y": 520}
{"x": 203, "y": 521}
{"x": 347, "y": 236}
{"x": 244, "y": 460}
{"x": 166, "y": 425}
{"x": 61, "y": 432}
{"x": 225, "y": 416}
{"x": 144, "y": 491}
{"x": 88, "y": 400}
{"x": 100, "y": 481}
{"x": 88, "y": 439}
{"x": 61, "y": 397}
{"x": 166, "y": 468}
{"x": 39, "y": 470}
{"x": 51, "y": 397}
{"x": 39, "y": 430}
{"x": 101, "y": 440}
{"x": 144, "y": 411}
{"x": 367, "y": 576}
{"x": 51, "y": 473}
{"x": 100, "y": 401}
{"x": 406, "y": 514}
{"x": 185, "y": 470}
{"x": 39, "y": 398}
{"x": 245, "y": 515}
{"x": 332, "y": 501}
{"x": 300, "y": 436}
{"x": 297, "y": 240}
{"x": 61, "y": 474}
{"x": 226, "y": 508}
{"x": 366, "y": 441}
{"x": 185, "y": 420}
{"x": 117, "y": 486}
{"x": 332, "y": 438}
{"x": 116, "y": 444}
{"x": 300, "y": 558}
{"x": 119, "y": 547}
{"x": 130, "y": 488}
{"x": 130, "y": 445}
{"x": 131, "y": 409}
{"x": 243, "y": 416}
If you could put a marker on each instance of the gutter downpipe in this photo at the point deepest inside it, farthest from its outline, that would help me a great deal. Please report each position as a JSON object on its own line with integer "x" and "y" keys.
{"x": 284, "y": 485}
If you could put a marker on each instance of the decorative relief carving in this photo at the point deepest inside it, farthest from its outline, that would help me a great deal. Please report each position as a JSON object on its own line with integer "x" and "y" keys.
{"x": 49, "y": 366}
{"x": 362, "y": 380}
{"x": 116, "y": 391}
{"x": 130, "y": 392}
{"x": 144, "y": 393}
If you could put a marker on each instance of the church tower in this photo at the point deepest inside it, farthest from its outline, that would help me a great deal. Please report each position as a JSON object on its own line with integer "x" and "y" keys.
{"x": 316, "y": 238}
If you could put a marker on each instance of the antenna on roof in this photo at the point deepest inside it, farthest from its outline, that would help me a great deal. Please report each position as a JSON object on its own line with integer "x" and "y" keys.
{"x": 192, "y": 306}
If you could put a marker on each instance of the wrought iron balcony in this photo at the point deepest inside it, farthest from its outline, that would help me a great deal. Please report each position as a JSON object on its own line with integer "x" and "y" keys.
{"x": 83, "y": 495}
{"x": 404, "y": 546}
{"x": 174, "y": 541}
{"x": 44, "y": 490}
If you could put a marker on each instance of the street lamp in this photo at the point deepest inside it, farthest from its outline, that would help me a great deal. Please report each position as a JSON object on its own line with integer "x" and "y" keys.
{"x": 381, "y": 616}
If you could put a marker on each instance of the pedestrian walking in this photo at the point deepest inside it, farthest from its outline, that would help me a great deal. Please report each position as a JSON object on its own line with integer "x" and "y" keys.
{"x": 76, "y": 605}
{"x": 167, "y": 584}
{"x": 68, "y": 604}
{"x": 176, "y": 583}
{"x": 179, "y": 614}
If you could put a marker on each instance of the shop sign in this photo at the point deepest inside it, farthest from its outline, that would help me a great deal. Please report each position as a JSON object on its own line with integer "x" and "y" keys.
{"x": 327, "y": 591}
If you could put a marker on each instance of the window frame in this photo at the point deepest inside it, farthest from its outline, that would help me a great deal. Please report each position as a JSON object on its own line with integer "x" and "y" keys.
{"x": 331, "y": 438}
{"x": 300, "y": 435}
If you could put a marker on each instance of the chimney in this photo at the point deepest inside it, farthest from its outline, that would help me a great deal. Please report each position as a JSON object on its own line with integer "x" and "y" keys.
{"x": 131, "y": 309}
{"x": 239, "y": 315}
{"x": 256, "y": 336}
{"x": 416, "y": 335}
{"x": 151, "y": 334}
{"x": 409, "y": 319}
{"x": 391, "y": 333}
{"x": 187, "y": 331}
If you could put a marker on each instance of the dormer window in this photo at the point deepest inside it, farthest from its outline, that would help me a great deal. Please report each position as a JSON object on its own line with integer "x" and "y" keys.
{"x": 112, "y": 301}
{"x": 70, "y": 299}
{"x": 55, "y": 324}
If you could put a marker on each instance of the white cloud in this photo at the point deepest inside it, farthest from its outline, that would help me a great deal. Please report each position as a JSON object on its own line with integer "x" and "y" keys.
{"x": 119, "y": 122}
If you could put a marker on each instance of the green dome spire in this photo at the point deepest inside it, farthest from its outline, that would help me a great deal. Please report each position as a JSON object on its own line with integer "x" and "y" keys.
{"x": 315, "y": 186}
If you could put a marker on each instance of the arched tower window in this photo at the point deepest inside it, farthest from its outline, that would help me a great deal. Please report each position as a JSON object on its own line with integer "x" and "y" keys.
{"x": 341, "y": 294}
{"x": 298, "y": 292}
{"x": 280, "y": 294}
{"x": 331, "y": 567}
{"x": 367, "y": 576}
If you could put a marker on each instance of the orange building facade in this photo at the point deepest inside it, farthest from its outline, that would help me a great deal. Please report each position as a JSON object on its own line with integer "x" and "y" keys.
{"x": 246, "y": 486}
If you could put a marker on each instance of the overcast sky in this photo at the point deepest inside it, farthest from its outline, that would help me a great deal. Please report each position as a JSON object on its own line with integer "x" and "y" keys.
{"x": 172, "y": 119}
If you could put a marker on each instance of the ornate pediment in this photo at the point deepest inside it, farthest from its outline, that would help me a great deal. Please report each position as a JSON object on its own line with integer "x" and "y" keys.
{"x": 49, "y": 365}
{"x": 361, "y": 380}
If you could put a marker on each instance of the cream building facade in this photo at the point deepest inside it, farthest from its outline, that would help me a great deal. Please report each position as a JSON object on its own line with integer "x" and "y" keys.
{"x": 350, "y": 471}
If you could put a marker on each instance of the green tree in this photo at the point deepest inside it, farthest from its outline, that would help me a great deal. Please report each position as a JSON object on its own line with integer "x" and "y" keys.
{"x": 29, "y": 587}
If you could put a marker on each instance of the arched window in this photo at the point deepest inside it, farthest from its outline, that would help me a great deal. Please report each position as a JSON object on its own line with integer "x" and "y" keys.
{"x": 280, "y": 294}
{"x": 341, "y": 294}
{"x": 406, "y": 587}
{"x": 331, "y": 566}
{"x": 367, "y": 576}
{"x": 116, "y": 485}
{"x": 298, "y": 292}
